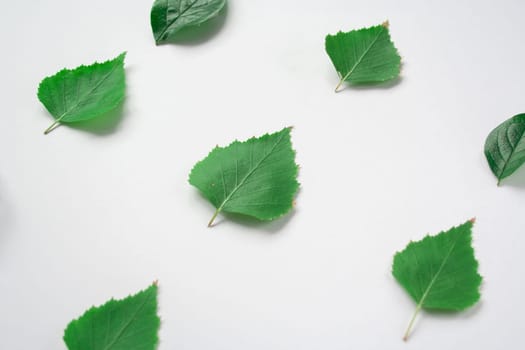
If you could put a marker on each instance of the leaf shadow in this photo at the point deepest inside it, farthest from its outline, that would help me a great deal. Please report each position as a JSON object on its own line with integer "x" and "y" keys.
{"x": 385, "y": 85}
{"x": 447, "y": 314}
{"x": 270, "y": 227}
{"x": 4, "y": 217}
{"x": 465, "y": 314}
{"x": 373, "y": 86}
{"x": 516, "y": 180}
{"x": 104, "y": 124}
{"x": 196, "y": 35}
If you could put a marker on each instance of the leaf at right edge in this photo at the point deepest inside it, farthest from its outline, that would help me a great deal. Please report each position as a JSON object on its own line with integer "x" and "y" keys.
{"x": 170, "y": 16}
{"x": 505, "y": 147}
{"x": 128, "y": 324}
{"x": 440, "y": 272}
{"x": 364, "y": 56}
{"x": 257, "y": 177}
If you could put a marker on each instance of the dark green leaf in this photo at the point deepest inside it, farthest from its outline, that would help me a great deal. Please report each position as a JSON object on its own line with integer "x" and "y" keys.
{"x": 170, "y": 16}
{"x": 364, "y": 56}
{"x": 440, "y": 272}
{"x": 505, "y": 147}
{"x": 128, "y": 324}
{"x": 85, "y": 92}
{"x": 256, "y": 177}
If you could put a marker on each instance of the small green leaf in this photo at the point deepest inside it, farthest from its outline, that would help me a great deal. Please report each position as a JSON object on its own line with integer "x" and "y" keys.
{"x": 83, "y": 93}
{"x": 440, "y": 272}
{"x": 170, "y": 16}
{"x": 128, "y": 324}
{"x": 364, "y": 56}
{"x": 257, "y": 177}
{"x": 505, "y": 147}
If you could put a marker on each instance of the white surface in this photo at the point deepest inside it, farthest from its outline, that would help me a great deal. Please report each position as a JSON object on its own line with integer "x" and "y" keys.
{"x": 86, "y": 216}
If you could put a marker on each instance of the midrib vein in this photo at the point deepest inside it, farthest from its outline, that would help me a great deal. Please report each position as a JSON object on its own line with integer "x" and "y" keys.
{"x": 241, "y": 183}
{"x": 507, "y": 162}
{"x": 363, "y": 55}
{"x": 170, "y": 23}
{"x": 100, "y": 82}
{"x": 119, "y": 334}
{"x": 431, "y": 284}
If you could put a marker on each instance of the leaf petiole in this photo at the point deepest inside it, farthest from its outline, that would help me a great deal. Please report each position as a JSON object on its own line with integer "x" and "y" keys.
{"x": 210, "y": 224}
{"x": 339, "y": 85}
{"x": 409, "y": 328}
{"x": 52, "y": 127}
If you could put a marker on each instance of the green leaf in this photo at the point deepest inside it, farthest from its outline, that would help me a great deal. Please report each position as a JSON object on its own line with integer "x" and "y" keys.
{"x": 364, "y": 56}
{"x": 257, "y": 177}
{"x": 505, "y": 147}
{"x": 440, "y": 272}
{"x": 128, "y": 324}
{"x": 83, "y": 93}
{"x": 170, "y": 16}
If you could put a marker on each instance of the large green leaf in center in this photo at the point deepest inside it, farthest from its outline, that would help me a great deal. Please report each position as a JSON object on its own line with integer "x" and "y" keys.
{"x": 256, "y": 177}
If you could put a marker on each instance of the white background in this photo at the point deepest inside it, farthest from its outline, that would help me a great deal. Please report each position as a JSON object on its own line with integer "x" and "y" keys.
{"x": 99, "y": 211}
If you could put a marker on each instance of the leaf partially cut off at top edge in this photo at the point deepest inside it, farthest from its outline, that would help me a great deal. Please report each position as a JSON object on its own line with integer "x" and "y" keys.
{"x": 505, "y": 147}
{"x": 363, "y": 56}
{"x": 128, "y": 324}
{"x": 257, "y": 177}
{"x": 440, "y": 272}
{"x": 85, "y": 92}
{"x": 170, "y": 16}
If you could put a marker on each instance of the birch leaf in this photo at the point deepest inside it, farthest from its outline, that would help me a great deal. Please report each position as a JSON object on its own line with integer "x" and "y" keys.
{"x": 128, "y": 324}
{"x": 83, "y": 93}
{"x": 257, "y": 177}
{"x": 363, "y": 56}
{"x": 440, "y": 272}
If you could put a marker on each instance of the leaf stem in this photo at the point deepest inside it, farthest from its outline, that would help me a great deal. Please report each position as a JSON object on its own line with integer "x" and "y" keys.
{"x": 210, "y": 224}
{"x": 52, "y": 127}
{"x": 409, "y": 328}
{"x": 339, "y": 85}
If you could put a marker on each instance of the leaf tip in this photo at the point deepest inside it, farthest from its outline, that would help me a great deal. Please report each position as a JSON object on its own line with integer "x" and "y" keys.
{"x": 472, "y": 221}
{"x": 386, "y": 24}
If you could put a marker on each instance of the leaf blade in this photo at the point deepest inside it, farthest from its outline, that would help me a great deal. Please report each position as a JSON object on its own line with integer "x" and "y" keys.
{"x": 83, "y": 93}
{"x": 440, "y": 272}
{"x": 131, "y": 323}
{"x": 505, "y": 147}
{"x": 256, "y": 177}
{"x": 170, "y": 16}
{"x": 363, "y": 56}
